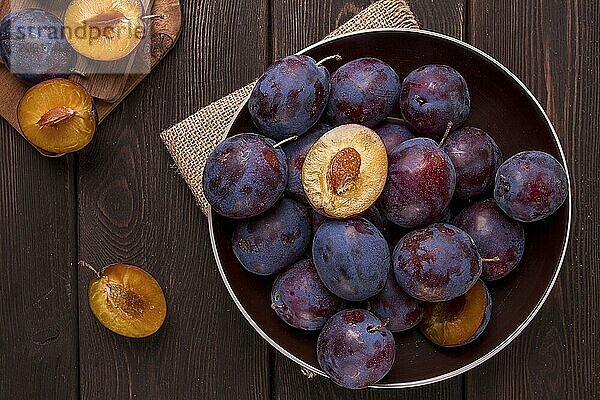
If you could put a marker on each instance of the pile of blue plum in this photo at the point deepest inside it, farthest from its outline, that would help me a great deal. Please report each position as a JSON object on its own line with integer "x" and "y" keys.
{"x": 331, "y": 173}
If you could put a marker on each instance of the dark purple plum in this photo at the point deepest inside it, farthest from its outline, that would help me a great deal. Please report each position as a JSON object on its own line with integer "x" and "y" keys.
{"x": 290, "y": 97}
{"x": 355, "y": 349}
{"x": 295, "y": 153}
{"x": 393, "y": 134}
{"x": 271, "y": 242}
{"x": 352, "y": 258}
{"x": 372, "y": 214}
{"x": 420, "y": 183}
{"x": 301, "y": 300}
{"x": 33, "y": 46}
{"x": 363, "y": 92}
{"x": 437, "y": 263}
{"x": 433, "y": 96}
{"x": 244, "y": 176}
{"x": 394, "y": 305}
{"x": 531, "y": 186}
{"x": 476, "y": 158}
{"x": 500, "y": 240}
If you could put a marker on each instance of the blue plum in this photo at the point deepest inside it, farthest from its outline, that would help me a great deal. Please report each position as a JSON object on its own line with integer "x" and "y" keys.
{"x": 290, "y": 97}
{"x": 244, "y": 176}
{"x": 271, "y": 242}
{"x": 476, "y": 158}
{"x": 531, "y": 186}
{"x": 437, "y": 263}
{"x": 499, "y": 239}
{"x": 363, "y": 92}
{"x": 420, "y": 184}
{"x": 433, "y": 96}
{"x": 393, "y": 133}
{"x": 352, "y": 258}
{"x": 296, "y": 154}
{"x": 33, "y": 46}
{"x": 301, "y": 300}
{"x": 394, "y": 305}
{"x": 355, "y": 349}
{"x": 372, "y": 215}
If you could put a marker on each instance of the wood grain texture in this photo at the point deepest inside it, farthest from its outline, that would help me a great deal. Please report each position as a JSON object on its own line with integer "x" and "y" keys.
{"x": 295, "y": 25}
{"x": 553, "y": 47}
{"x": 134, "y": 207}
{"x": 443, "y": 16}
{"x": 38, "y": 303}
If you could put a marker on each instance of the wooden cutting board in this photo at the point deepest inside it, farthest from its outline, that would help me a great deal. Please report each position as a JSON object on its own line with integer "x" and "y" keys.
{"x": 108, "y": 90}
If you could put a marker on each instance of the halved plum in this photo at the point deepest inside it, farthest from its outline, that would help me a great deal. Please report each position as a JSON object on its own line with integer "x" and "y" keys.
{"x": 58, "y": 116}
{"x": 104, "y": 30}
{"x": 460, "y": 321}
{"x": 345, "y": 171}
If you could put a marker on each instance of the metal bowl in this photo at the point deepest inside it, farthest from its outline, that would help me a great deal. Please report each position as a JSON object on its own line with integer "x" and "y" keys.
{"x": 501, "y": 105}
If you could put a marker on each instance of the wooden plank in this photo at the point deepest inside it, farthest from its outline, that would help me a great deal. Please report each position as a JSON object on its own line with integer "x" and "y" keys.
{"x": 38, "y": 306}
{"x": 296, "y": 24}
{"x": 134, "y": 207}
{"x": 553, "y": 47}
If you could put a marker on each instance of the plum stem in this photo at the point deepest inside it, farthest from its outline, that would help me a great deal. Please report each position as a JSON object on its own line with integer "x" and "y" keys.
{"x": 395, "y": 120}
{"x": 495, "y": 259}
{"x": 153, "y": 16}
{"x": 277, "y": 307}
{"x": 448, "y": 129}
{"x": 378, "y": 327}
{"x": 78, "y": 72}
{"x": 284, "y": 141}
{"x": 420, "y": 100}
{"x": 86, "y": 265}
{"x": 336, "y": 57}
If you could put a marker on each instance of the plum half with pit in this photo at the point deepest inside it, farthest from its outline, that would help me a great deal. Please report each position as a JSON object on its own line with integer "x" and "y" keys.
{"x": 33, "y": 46}
{"x": 355, "y": 349}
{"x": 271, "y": 242}
{"x": 437, "y": 263}
{"x": 345, "y": 171}
{"x": 394, "y": 305}
{"x": 290, "y": 97}
{"x": 393, "y": 133}
{"x": 352, "y": 258}
{"x": 105, "y": 30}
{"x": 58, "y": 116}
{"x": 301, "y": 300}
{"x": 460, "y": 321}
{"x": 476, "y": 158}
{"x": 420, "y": 184}
{"x": 127, "y": 300}
{"x": 363, "y": 92}
{"x": 295, "y": 152}
{"x": 531, "y": 186}
{"x": 434, "y": 97}
{"x": 500, "y": 240}
{"x": 244, "y": 176}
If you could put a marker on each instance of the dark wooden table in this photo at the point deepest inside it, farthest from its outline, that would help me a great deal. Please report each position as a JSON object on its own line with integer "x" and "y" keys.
{"x": 121, "y": 199}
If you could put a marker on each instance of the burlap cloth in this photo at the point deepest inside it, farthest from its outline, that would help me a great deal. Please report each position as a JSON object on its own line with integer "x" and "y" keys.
{"x": 191, "y": 141}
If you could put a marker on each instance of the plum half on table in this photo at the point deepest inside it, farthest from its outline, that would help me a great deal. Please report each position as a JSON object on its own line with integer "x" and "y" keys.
{"x": 58, "y": 116}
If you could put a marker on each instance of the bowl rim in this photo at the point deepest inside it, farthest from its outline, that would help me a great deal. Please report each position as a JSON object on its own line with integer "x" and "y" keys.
{"x": 523, "y": 324}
